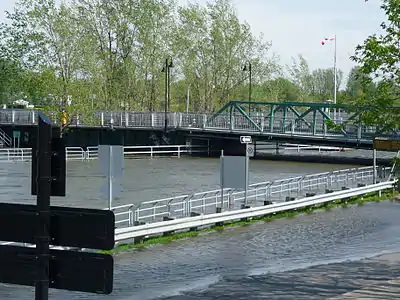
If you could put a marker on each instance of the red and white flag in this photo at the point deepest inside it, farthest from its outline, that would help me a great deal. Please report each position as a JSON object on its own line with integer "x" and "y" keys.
{"x": 328, "y": 39}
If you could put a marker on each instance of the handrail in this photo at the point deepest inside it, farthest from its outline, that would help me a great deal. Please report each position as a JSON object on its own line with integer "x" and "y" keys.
{"x": 206, "y": 220}
{"x": 78, "y": 153}
{"x": 203, "y": 121}
{"x": 92, "y": 152}
{"x": 15, "y": 154}
{"x": 5, "y": 138}
{"x": 208, "y": 201}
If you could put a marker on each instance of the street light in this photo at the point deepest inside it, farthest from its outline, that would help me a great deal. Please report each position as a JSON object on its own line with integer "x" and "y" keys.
{"x": 166, "y": 70}
{"x": 247, "y": 67}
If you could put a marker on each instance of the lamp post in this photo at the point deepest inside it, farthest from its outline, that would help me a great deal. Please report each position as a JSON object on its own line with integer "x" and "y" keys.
{"x": 247, "y": 67}
{"x": 166, "y": 69}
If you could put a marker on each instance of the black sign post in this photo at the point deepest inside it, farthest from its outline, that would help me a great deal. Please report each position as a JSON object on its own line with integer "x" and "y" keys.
{"x": 46, "y": 225}
{"x": 44, "y": 179}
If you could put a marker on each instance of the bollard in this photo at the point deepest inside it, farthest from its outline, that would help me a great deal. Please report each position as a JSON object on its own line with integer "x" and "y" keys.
{"x": 194, "y": 214}
{"x": 168, "y": 232}
{"x": 243, "y": 206}
{"x": 310, "y": 194}
{"x": 218, "y": 211}
{"x": 267, "y": 202}
{"x": 288, "y": 199}
{"x": 381, "y": 172}
{"x": 137, "y": 223}
{"x": 138, "y": 240}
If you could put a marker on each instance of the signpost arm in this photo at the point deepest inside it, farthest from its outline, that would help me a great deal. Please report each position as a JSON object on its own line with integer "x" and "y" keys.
{"x": 43, "y": 207}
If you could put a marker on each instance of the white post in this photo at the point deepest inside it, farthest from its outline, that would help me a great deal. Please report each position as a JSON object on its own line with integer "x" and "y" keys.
{"x": 222, "y": 180}
{"x": 187, "y": 99}
{"x": 334, "y": 80}
{"x": 110, "y": 191}
{"x": 246, "y": 174}
{"x": 374, "y": 163}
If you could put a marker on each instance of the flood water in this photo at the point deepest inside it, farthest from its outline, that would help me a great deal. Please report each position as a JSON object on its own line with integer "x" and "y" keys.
{"x": 321, "y": 255}
{"x": 144, "y": 179}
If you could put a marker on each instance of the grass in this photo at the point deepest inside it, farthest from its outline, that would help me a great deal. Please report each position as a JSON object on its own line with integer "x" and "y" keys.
{"x": 344, "y": 203}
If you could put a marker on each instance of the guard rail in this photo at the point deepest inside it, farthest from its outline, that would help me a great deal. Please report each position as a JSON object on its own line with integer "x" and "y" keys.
{"x": 229, "y": 216}
{"x": 277, "y": 190}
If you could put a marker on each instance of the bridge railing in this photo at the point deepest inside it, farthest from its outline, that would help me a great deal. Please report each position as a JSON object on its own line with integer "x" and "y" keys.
{"x": 261, "y": 122}
{"x": 257, "y": 194}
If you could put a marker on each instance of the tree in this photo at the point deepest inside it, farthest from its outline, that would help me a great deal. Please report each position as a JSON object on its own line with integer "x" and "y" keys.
{"x": 50, "y": 44}
{"x": 379, "y": 61}
{"x": 315, "y": 86}
{"x": 213, "y": 48}
{"x": 356, "y": 90}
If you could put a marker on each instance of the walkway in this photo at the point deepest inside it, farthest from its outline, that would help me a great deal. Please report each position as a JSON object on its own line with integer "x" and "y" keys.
{"x": 314, "y": 121}
{"x": 258, "y": 194}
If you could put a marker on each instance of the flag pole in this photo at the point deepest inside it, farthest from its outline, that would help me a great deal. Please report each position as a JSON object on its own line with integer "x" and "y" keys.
{"x": 334, "y": 79}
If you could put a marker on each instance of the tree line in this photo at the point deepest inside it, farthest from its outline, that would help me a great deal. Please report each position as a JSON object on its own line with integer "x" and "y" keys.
{"x": 85, "y": 55}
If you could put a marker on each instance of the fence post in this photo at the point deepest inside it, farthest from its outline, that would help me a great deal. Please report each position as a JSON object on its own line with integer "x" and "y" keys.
{"x": 179, "y": 151}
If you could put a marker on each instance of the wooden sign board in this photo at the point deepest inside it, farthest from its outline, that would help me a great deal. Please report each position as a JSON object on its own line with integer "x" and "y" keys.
{"x": 386, "y": 144}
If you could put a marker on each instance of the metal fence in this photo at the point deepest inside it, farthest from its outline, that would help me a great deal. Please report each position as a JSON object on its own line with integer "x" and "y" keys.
{"x": 258, "y": 194}
{"x": 79, "y": 153}
{"x": 238, "y": 123}
{"x": 15, "y": 154}
{"x": 150, "y": 151}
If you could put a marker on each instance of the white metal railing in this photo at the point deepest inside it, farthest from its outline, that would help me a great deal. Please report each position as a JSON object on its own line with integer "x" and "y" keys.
{"x": 257, "y": 194}
{"x": 151, "y": 151}
{"x": 78, "y": 153}
{"x": 298, "y": 148}
{"x": 4, "y": 138}
{"x": 75, "y": 153}
{"x": 15, "y": 154}
{"x": 291, "y": 125}
{"x": 196, "y": 221}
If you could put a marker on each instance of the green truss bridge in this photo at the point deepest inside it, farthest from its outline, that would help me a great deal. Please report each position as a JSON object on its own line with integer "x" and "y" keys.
{"x": 289, "y": 122}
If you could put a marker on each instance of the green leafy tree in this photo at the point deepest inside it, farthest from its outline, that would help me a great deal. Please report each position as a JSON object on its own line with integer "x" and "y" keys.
{"x": 379, "y": 61}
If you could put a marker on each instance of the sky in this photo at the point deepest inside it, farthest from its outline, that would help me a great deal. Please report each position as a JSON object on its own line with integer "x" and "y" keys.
{"x": 297, "y": 26}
